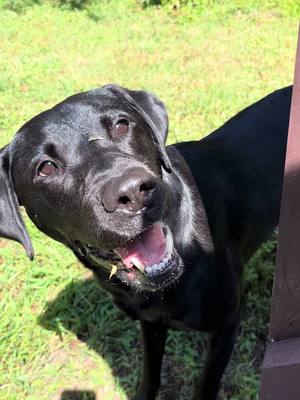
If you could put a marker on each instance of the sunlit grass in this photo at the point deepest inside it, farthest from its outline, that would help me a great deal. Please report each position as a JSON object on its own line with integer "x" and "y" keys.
{"x": 58, "y": 330}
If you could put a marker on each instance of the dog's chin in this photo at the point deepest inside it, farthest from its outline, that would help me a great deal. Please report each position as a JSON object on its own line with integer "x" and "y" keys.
{"x": 146, "y": 262}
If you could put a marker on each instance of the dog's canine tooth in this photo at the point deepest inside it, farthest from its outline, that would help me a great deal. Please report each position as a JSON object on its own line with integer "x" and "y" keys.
{"x": 169, "y": 240}
{"x": 138, "y": 264}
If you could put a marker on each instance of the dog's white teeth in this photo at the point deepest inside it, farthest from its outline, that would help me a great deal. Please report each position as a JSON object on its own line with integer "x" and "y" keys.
{"x": 159, "y": 267}
{"x": 138, "y": 264}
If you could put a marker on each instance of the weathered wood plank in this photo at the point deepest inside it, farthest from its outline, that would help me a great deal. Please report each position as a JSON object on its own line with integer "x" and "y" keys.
{"x": 281, "y": 371}
{"x": 281, "y": 367}
{"x": 285, "y": 310}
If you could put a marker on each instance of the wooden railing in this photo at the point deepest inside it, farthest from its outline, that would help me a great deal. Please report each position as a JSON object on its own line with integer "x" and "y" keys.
{"x": 281, "y": 367}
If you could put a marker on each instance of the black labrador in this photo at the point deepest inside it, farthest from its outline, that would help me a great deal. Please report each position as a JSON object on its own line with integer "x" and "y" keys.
{"x": 166, "y": 231}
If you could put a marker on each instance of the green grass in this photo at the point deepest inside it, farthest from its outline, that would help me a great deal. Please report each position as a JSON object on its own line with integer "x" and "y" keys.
{"x": 59, "y": 332}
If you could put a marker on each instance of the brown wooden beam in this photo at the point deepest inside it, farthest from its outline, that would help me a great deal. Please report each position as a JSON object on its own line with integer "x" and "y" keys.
{"x": 285, "y": 310}
{"x": 281, "y": 371}
{"x": 281, "y": 367}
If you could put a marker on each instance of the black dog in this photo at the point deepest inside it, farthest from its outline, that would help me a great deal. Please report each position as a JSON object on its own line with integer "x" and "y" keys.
{"x": 175, "y": 225}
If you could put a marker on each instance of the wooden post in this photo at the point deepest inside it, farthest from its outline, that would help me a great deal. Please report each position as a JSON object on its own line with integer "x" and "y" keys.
{"x": 281, "y": 366}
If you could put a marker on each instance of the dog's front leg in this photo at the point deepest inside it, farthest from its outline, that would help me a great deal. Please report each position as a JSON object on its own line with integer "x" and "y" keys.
{"x": 154, "y": 339}
{"x": 219, "y": 350}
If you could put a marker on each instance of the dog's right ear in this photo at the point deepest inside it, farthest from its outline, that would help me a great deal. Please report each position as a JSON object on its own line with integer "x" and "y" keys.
{"x": 11, "y": 223}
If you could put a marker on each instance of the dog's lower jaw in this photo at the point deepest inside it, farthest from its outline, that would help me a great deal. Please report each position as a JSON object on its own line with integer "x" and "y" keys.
{"x": 158, "y": 283}
{"x": 142, "y": 278}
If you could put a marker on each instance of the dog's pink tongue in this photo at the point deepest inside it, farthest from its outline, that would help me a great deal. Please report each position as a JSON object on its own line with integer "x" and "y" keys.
{"x": 149, "y": 247}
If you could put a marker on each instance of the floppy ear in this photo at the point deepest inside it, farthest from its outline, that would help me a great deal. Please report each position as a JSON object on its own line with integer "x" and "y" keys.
{"x": 11, "y": 222}
{"x": 155, "y": 116}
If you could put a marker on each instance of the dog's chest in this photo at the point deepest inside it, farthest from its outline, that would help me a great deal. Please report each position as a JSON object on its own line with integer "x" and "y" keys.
{"x": 172, "y": 312}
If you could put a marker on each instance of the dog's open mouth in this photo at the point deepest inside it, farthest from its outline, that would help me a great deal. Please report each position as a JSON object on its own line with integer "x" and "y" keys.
{"x": 151, "y": 252}
{"x": 149, "y": 258}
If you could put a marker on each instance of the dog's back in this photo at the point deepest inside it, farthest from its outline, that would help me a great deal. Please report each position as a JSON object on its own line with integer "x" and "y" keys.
{"x": 239, "y": 171}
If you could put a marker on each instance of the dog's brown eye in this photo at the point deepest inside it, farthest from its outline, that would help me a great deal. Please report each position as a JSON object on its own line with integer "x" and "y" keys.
{"x": 47, "y": 168}
{"x": 121, "y": 127}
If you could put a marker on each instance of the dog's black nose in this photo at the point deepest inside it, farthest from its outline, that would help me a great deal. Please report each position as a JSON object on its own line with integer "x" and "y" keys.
{"x": 130, "y": 191}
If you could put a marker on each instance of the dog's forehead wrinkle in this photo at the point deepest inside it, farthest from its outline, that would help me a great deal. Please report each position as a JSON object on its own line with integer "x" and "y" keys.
{"x": 90, "y": 120}
{"x": 60, "y": 140}
{"x": 80, "y": 120}
{"x": 79, "y": 117}
{"x": 63, "y": 135}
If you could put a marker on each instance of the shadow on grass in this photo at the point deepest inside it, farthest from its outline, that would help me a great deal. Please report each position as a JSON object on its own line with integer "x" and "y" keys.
{"x": 78, "y": 395}
{"x": 87, "y": 311}
{"x": 84, "y": 309}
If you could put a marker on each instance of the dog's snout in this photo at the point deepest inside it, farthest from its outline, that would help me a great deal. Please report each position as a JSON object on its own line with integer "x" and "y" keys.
{"x": 130, "y": 191}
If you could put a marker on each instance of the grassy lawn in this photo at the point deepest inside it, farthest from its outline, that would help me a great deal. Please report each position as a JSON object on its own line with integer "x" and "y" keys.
{"x": 61, "y": 337}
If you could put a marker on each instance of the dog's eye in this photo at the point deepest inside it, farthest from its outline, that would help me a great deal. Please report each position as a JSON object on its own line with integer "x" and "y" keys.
{"x": 121, "y": 127}
{"x": 47, "y": 168}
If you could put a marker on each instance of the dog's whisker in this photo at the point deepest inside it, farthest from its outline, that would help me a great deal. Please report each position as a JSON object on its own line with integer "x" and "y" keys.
{"x": 94, "y": 138}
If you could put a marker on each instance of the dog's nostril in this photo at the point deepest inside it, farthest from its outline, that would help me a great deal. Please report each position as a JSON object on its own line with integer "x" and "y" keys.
{"x": 124, "y": 200}
{"x": 144, "y": 187}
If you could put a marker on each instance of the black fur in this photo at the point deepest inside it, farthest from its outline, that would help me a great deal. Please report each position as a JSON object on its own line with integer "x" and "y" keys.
{"x": 219, "y": 197}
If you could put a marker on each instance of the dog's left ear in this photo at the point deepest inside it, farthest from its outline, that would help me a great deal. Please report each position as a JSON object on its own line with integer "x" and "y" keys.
{"x": 11, "y": 223}
{"x": 155, "y": 116}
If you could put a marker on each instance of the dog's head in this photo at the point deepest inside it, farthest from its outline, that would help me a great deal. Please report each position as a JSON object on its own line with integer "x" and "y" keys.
{"x": 91, "y": 173}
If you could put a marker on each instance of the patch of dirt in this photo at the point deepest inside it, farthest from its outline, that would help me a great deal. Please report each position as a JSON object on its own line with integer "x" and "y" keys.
{"x": 4, "y": 243}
